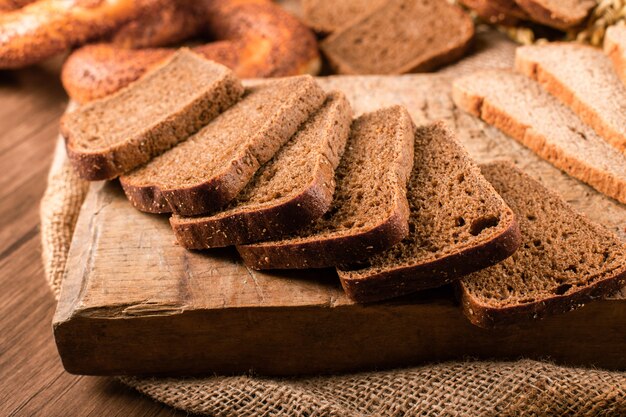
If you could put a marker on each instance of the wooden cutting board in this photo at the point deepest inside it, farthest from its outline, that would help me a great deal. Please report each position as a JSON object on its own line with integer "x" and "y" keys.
{"x": 134, "y": 302}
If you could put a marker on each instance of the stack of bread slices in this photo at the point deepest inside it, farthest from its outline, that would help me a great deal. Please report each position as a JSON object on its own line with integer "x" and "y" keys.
{"x": 283, "y": 172}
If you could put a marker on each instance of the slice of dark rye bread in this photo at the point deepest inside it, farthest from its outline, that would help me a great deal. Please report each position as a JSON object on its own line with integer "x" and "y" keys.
{"x": 583, "y": 78}
{"x": 559, "y": 14}
{"x": 458, "y": 224}
{"x": 519, "y": 107}
{"x": 209, "y": 169}
{"x": 118, "y": 133}
{"x": 401, "y": 36}
{"x": 564, "y": 261}
{"x": 369, "y": 212}
{"x": 615, "y": 48}
{"x": 294, "y": 188}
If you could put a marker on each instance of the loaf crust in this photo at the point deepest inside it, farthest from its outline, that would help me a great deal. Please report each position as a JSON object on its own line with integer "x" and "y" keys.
{"x": 615, "y": 48}
{"x": 210, "y": 194}
{"x": 320, "y": 250}
{"x": 247, "y": 222}
{"x": 603, "y": 108}
{"x": 540, "y": 304}
{"x": 256, "y": 39}
{"x": 475, "y": 100}
{"x": 99, "y": 163}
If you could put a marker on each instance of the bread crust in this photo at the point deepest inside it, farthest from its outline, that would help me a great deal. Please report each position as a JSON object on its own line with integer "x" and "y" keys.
{"x": 256, "y": 39}
{"x": 329, "y": 252}
{"x": 615, "y": 48}
{"x": 251, "y": 224}
{"x": 569, "y": 97}
{"x": 115, "y": 160}
{"x": 601, "y": 180}
{"x": 212, "y": 194}
{"x": 435, "y": 60}
{"x": 403, "y": 280}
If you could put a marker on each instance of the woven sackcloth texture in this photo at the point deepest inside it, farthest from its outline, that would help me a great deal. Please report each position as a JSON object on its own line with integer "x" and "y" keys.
{"x": 471, "y": 388}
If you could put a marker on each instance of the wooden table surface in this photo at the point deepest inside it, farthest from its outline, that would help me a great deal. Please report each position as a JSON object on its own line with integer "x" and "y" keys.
{"x": 32, "y": 379}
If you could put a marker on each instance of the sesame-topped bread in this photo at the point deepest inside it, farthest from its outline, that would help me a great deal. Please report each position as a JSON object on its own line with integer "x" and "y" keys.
{"x": 116, "y": 134}
{"x": 400, "y": 36}
{"x": 369, "y": 212}
{"x": 583, "y": 78}
{"x": 458, "y": 224}
{"x": 559, "y": 14}
{"x": 522, "y": 109}
{"x": 615, "y": 48}
{"x": 564, "y": 260}
{"x": 294, "y": 188}
{"x": 326, "y": 16}
{"x": 209, "y": 169}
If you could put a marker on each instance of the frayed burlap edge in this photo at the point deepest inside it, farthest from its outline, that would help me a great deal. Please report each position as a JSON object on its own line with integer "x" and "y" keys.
{"x": 481, "y": 389}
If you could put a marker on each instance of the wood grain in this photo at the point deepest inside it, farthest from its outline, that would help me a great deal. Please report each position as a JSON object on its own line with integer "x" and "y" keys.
{"x": 134, "y": 302}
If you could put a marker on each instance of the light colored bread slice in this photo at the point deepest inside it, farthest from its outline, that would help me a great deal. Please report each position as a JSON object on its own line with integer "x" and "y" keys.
{"x": 559, "y": 14}
{"x": 209, "y": 169}
{"x": 582, "y": 77}
{"x": 294, "y": 188}
{"x": 500, "y": 12}
{"x": 615, "y": 48}
{"x": 564, "y": 261}
{"x": 458, "y": 224}
{"x": 116, "y": 134}
{"x": 519, "y": 107}
{"x": 401, "y": 36}
{"x": 326, "y": 16}
{"x": 369, "y": 212}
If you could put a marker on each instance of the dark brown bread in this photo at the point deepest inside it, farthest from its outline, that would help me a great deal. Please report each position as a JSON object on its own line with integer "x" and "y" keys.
{"x": 208, "y": 170}
{"x": 564, "y": 261}
{"x": 369, "y": 212}
{"x": 116, "y": 134}
{"x": 559, "y": 14}
{"x": 458, "y": 224}
{"x": 401, "y": 36}
{"x": 294, "y": 188}
{"x": 502, "y": 12}
{"x": 615, "y": 48}
{"x": 326, "y": 16}
{"x": 582, "y": 77}
{"x": 522, "y": 109}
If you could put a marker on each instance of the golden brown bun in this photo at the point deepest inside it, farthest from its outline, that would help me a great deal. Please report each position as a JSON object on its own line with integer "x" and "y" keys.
{"x": 255, "y": 38}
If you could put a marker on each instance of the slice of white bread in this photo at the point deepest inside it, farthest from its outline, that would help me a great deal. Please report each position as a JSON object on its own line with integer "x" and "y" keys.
{"x": 522, "y": 109}
{"x": 458, "y": 224}
{"x": 208, "y": 170}
{"x": 583, "y": 78}
{"x": 113, "y": 135}
{"x": 615, "y": 48}
{"x": 564, "y": 261}
{"x": 294, "y": 188}
{"x": 369, "y": 212}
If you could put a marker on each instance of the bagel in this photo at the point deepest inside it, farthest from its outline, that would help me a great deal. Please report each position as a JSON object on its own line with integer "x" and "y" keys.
{"x": 255, "y": 38}
{"x": 45, "y": 28}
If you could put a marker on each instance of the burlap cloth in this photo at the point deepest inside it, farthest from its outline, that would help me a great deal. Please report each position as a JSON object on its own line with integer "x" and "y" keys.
{"x": 470, "y": 388}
